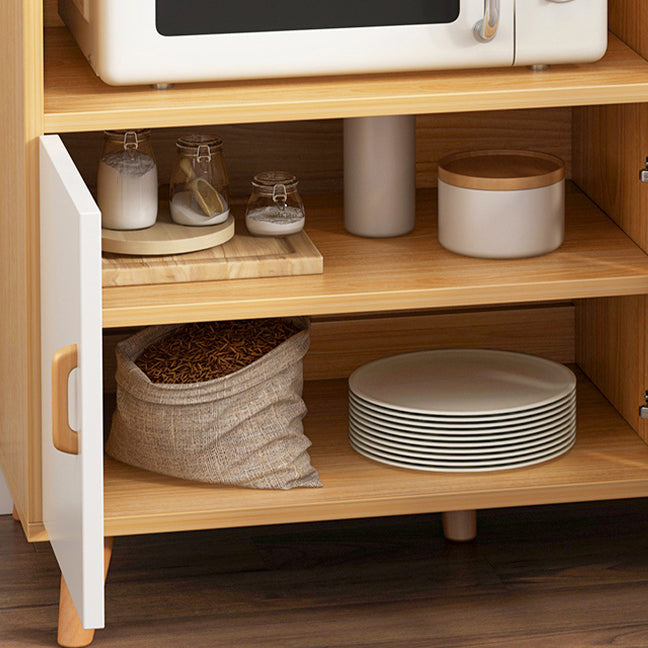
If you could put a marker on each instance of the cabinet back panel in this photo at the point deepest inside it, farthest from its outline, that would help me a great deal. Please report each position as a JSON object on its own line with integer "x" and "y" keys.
{"x": 312, "y": 150}
{"x": 338, "y": 346}
{"x": 50, "y": 14}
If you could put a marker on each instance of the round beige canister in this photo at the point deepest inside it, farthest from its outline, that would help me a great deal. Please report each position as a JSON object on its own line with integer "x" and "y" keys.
{"x": 501, "y": 204}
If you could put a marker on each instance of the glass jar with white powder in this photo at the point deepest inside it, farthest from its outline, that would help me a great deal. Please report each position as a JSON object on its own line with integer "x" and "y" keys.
{"x": 275, "y": 207}
{"x": 199, "y": 187}
{"x": 127, "y": 181}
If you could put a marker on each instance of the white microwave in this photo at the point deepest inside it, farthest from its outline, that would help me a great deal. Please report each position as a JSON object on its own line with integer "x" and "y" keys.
{"x": 169, "y": 41}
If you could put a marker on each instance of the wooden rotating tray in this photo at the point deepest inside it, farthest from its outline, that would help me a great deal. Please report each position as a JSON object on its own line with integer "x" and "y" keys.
{"x": 165, "y": 237}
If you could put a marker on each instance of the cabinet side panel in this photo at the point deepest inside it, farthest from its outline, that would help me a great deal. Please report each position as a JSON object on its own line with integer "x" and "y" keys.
{"x": 20, "y": 123}
{"x": 34, "y": 99}
{"x": 610, "y": 144}
{"x": 611, "y": 349}
{"x": 628, "y": 20}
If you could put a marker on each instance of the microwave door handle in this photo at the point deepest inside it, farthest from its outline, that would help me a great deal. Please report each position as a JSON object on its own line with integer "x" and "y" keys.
{"x": 486, "y": 28}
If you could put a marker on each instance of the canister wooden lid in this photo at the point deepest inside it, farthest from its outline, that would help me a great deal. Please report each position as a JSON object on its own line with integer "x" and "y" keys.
{"x": 501, "y": 170}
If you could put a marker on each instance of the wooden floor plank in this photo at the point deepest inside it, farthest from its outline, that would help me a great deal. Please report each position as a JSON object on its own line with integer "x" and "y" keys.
{"x": 570, "y": 576}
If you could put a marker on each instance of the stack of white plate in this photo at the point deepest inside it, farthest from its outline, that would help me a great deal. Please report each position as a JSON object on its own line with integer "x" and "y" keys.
{"x": 460, "y": 410}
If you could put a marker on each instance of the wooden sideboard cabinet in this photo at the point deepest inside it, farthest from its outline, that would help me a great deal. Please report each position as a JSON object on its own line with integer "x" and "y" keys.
{"x": 583, "y": 304}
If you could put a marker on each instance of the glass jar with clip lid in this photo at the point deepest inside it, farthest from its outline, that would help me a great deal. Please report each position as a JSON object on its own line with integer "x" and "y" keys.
{"x": 199, "y": 191}
{"x": 127, "y": 181}
{"x": 275, "y": 207}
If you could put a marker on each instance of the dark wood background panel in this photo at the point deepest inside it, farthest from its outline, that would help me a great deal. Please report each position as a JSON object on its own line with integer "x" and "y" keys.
{"x": 546, "y": 130}
{"x": 313, "y": 150}
{"x": 340, "y": 345}
{"x": 50, "y": 13}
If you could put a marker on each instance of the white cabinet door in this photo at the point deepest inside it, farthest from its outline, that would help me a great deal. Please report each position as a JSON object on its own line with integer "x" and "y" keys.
{"x": 72, "y": 425}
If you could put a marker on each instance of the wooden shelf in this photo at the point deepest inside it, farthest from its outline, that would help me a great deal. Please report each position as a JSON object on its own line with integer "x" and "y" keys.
{"x": 608, "y": 461}
{"x": 409, "y": 272}
{"x": 76, "y": 100}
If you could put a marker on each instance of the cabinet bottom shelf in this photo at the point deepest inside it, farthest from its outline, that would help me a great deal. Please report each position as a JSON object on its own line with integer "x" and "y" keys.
{"x": 609, "y": 461}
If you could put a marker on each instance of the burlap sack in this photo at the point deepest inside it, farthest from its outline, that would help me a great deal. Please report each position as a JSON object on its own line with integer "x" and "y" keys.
{"x": 244, "y": 429}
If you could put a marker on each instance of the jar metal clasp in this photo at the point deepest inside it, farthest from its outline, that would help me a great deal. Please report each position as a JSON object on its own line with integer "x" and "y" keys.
{"x": 131, "y": 143}
{"x": 280, "y": 197}
{"x": 203, "y": 157}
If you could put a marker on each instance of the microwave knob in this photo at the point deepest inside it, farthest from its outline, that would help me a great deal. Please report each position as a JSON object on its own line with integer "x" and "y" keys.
{"x": 486, "y": 28}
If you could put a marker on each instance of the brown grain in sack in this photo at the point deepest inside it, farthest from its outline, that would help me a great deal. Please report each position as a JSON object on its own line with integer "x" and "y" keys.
{"x": 243, "y": 429}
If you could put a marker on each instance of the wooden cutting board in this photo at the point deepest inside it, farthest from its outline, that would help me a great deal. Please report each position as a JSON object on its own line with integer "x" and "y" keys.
{"x": 241, "y": 257}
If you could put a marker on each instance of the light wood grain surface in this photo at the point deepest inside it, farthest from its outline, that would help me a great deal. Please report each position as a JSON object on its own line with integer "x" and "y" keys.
{"x": 33, "y": 110}
{"x": 609, "y": 461}
{"x": 20, "y": 123}
{"x": 164, "y": 238}
{"x": 13, "y": 265}
{"x": 242, "y": 257}
{"x": 410, "y": 272}
{"x": 76, "y": 100}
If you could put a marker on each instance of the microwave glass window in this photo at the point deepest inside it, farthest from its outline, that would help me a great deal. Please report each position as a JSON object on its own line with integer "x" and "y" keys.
{"x": 194, "y": 17}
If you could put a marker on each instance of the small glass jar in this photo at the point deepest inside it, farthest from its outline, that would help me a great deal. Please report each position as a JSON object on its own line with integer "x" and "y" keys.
{"x": 127, "y": 181}
{"x": 199, "y": 188}
{"x": 275, "y": 207}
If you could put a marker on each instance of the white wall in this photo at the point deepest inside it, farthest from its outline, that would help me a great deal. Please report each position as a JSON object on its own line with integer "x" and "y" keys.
{"x": 5, "y": 499}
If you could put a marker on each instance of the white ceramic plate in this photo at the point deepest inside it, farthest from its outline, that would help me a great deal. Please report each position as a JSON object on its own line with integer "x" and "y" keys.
{"x": 462, "y": 382}
{"x": 509, "y": 419}
{"x": 441, "y": 441}
{"x": 439, "y": 467}
{"x": 511, "y": 425}
{"x": 461, "y": 461}
{"x": 461, "y": 454}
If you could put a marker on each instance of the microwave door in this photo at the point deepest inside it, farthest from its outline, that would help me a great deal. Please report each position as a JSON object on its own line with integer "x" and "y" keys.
{"x": 197, "y": 17}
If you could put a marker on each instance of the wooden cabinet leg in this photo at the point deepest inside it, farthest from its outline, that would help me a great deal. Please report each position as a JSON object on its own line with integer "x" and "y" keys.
{"x": 460, "y": 526}
{"x": 71, "y": 634}
{"x": 14, "y": 514}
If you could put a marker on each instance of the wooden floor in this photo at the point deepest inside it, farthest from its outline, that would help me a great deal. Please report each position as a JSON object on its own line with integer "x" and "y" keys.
{"x": 570, "y": 576}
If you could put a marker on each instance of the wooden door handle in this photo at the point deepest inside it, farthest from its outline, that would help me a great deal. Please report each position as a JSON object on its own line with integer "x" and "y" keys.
{"x": 64, "y": 437}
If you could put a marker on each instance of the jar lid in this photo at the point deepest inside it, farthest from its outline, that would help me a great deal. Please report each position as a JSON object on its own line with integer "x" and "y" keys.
{"x": 191, "y": 144}
{"x": 265, "y": 182}
{"x": 501, "y": 170}
{"x": 118, "y": 135}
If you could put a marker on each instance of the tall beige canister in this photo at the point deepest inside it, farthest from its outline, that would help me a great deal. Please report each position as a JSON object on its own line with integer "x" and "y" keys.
{"x": 501, "y": 204}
